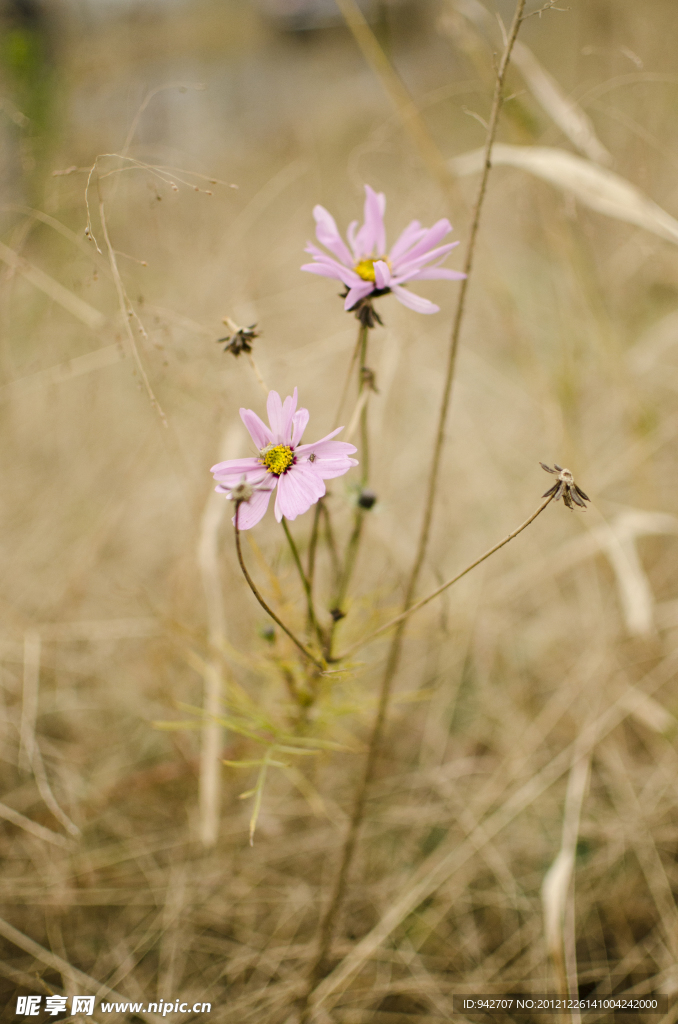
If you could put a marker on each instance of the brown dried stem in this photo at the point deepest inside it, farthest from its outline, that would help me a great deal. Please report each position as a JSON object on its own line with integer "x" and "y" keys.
{"x": 439, "y": 590}
{"x": 331, "y": 916}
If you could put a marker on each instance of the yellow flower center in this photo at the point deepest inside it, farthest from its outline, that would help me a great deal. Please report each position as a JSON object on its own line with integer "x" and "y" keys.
{"x": 277, "y": 458}
{"x": 365, "y": 268}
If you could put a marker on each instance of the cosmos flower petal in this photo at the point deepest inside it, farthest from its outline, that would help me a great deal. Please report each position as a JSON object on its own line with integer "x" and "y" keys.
{"x": 252, "y": 511}
{"x": 299, "y": 422}
{"x": 429, "y": 239}
{"x": 289, "y": 408}
{"x": 297, "y": 491}
{"x": 350, "y": 234}
{"x": 280, "y": 416}
{"x": 415, "y": 302}
{"x": 382, "y": 274}
{"x": 307, "y": 448}
{"x": 358, "y": 292}
{"x": 327, "y": 233}
{"x": 329, "y": 268}
{"x": 237, "y": 466}
{"x": 274, "y": 408}
{"x": 433, "y": 274}
{"x": 330, "y": 468}
{"x": 412, "y": 233}
{"x": 405, "y": 265}
{"x": 371, "y": 239}
{"x": 258, "y": 430}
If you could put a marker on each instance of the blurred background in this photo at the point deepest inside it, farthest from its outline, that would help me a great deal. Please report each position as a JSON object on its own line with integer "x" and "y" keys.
{"x": 206, "y": 132}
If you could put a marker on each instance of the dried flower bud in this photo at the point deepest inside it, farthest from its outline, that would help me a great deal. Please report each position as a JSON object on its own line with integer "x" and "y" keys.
{"x": 267, "y": 633}
{"x": 367, "y": 499}
{"x": 240, "y": 339}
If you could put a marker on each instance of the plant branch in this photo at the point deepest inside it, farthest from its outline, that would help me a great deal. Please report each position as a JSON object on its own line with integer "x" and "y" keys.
{"x": 127, "y": 312}
{"x": 439, "y": 590}
{"x": 269, "y": 611}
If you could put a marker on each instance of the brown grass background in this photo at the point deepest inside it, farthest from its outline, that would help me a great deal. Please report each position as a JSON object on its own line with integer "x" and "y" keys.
{"x": 567, "y": 355}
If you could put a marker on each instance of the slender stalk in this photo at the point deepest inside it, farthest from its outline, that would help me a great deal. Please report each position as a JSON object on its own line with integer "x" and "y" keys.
{"x": 257, "y": 373}
{"x": 304, "y": 582}
{"x": 328, "y": 924}
{"x": 345, "y": 578}
{"x": 313, "y": 544}
{"x": 347, "y": 382}
{"x": 269, "y": 611}
{"x": 364, "y": 437}
{"x": 331, "y": 542}
{"x": 439, "y": 590}
{"x": 351, "y": 552}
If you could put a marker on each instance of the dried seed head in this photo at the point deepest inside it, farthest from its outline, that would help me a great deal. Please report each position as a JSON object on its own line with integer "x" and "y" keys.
{"x": 240, "y": 339}
{"x": 241, "y": 492}
{"x": 565, "y": 487}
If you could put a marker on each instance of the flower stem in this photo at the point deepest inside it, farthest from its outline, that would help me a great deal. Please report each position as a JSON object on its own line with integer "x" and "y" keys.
{"x": 313, "y": 544}
{"x": 345, "y": 578}
{"x": 347, "y": 384}
{"x": 328, "y": 924}
{"x": 269, "y": 611}
{"x": 439, "y": 590}
{"x": 363, "y": 335}
{"x": 305, "y": 584}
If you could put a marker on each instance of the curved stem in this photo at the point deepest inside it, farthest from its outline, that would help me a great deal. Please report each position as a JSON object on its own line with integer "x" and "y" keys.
{"x": 304, "y": 582}
{"x": 269, "y": 611}
{"x": 439, "y": 590}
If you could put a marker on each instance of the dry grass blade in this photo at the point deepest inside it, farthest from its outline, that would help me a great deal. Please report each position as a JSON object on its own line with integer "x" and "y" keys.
{"x": 77, "y": 307}
{"x": 557, "y": 897}
{"x": 56, "y": 963}
{"x": 439, "y": 867}
{"x": 594, "y": 186}
{"x": 39, "y": 831}
{"x": 561, "y": 108}
{"x": 403, "y": 102}
{"x": 29, "y": 702}
{"x": 75, "y": 367}
{"x": 212, "y": 731}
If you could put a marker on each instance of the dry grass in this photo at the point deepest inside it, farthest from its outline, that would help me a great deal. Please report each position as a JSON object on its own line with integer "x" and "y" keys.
{"x": 556, "y": 658}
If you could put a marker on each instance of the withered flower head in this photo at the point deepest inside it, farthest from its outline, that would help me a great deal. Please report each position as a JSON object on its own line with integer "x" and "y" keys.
{"x": 240, "y": 339}
{"x": 565, "y": 487}
{"x": 242, "y": 491}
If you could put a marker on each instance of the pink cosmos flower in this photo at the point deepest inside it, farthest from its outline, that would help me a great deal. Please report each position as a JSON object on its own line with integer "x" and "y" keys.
{"x": 299, "y": 470}
{"x": 366, "y": 269}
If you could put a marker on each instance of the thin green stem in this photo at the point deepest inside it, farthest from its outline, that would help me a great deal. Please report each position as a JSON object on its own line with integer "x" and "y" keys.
{"x": 363, "y": 335}
{"x": 347, "y": 383}
{"x": 313, "y": 544}
{"x": 345, "y": 579}
{"x": 269, "y": 611}
{"x": 331, "y": 543}
{"x": 329, "y": 921}
{"x": 305, "y": 584}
